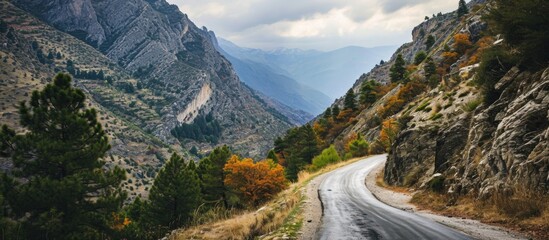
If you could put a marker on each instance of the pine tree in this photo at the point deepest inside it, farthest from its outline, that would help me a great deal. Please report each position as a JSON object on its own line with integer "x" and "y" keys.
{"x": 350, "y": 102}
{"x": 367, "y": 92}
{"x": 210, "y": 171}
{"x": 462, "y": 9}
{"x": 272, "y": 155}
{"x": 335, "y": 112}
{"x": 398, "y": 70}
{"x": 328, "y": 113}
{"x": 430, "y": 42}
{"x": 68, "y": 193}
{"x": 523, "y": 25}
{"x": 174, "y": 195}
{"x": 430, "y": 68}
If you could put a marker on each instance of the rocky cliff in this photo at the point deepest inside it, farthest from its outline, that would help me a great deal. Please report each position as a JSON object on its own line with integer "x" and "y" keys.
{"x": 174, "y": 60}
{"x": 447, "y": 132}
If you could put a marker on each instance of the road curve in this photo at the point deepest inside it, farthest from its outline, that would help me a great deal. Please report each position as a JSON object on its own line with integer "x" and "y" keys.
{"x": 350, "y": 211}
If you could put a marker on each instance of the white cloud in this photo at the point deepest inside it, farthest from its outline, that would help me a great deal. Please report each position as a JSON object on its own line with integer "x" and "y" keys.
{"x": 317, "y": 24}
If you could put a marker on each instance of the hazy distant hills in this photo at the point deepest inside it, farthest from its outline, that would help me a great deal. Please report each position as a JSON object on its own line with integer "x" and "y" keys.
{"x": 331, "y": 73}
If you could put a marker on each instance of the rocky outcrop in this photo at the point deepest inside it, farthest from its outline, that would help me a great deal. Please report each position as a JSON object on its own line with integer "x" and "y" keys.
{"x": 173, "y": 58}
{"x": 498, "y": 147}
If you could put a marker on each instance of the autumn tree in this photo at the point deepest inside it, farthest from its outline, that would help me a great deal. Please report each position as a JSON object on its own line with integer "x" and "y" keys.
{"x": 462, "y": 9}
{"x": 68, "y": 193}
{"x": 210, "y": 171}
{"x": 254, "y": 183}
{"x": 398, "y": 70}
{"x": 462, "y": 43}
{"x": 389, "y": 131}
{"x": 174, "y": 195}
{"x": 349, "y": 101}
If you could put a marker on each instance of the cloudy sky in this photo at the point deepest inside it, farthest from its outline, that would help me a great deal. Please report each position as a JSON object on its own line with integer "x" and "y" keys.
{"x": 312, "y": 24}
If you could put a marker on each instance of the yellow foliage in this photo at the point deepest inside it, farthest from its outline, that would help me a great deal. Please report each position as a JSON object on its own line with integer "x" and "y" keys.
{"x": 462, "y": 43}
{"x": 389, "y": 130}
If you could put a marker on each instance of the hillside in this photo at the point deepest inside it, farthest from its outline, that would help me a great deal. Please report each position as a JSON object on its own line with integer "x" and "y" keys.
{"x": 475, "y": 129}
{"x": 26, "y": 67}
{"x": 177, "y": 64}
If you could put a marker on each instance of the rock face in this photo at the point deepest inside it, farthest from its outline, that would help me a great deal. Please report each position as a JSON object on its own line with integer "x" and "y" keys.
{"x": 175, "y": 60}
{"x": 500, "y": 146}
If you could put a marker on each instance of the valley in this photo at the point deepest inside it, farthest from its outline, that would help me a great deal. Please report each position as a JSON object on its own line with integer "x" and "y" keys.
{"x": 122, "y": 119}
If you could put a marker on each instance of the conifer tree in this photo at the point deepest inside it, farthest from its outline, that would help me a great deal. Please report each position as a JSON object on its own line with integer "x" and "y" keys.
{"x": 68, "y": 193}
{"x": 210, "y": 171}
{"x": 328, "y": 113}
{"x": 335, "y": 112}
{"x": 367, "y": 92}
{"x": 430, "y": 42}
{"x": 174, "y": 195}
{"x": 272, "y": 155}
{"x": 350, "y": 102}
{"x": 398, "y": 70}
{"x": 462, "y": 9}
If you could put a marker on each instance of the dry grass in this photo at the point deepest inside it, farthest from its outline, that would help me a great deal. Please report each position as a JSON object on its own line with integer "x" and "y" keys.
{"x": 523, "y": 212}
{"x": 280, "y": 216}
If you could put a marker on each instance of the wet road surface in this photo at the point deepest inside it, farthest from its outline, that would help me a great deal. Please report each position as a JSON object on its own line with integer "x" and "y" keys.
{"x": 350, "y": 211}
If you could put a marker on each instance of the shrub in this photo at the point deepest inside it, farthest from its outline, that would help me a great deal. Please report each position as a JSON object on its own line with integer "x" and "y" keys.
{"x": 471, "y": 105}
{"x": 436, "y": 184}
{"x": 420, "y": 56}
{"x": 520, "y": 204}
{"x": 358, "y": 147}
{"x": 328, "y": 155}
{"x": 496, "y": 61}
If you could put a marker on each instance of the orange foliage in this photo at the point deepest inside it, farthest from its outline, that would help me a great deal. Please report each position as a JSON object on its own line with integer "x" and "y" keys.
{"x": 389, "y": 130}
{"x": 405, "y": 94}
{"x": 254, "y": 182}
{"x": 450, "y": 57}
{"x": 381, "y": 90}
{"x": 462, "y": 43}
{"x": 119, "y": 222}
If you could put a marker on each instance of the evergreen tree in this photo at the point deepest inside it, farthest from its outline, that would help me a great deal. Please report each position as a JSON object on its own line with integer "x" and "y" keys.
{"x": 210, "y": 171}
{"x": 524, "y": 27}
{"x": 328, "y": 113}
{"x": 430, "y": 42}
{"x": 350, "y": 102}
{"x": 174, "y": 195}
{"x": 398, "y": 70}
{"x": 462, "y": 9}
{"x": 335, "y": 112}
{"x": 420, "y": 56}
{"x": 68, "y": 193}
{"x": 367, "y": 92}
{"x": 272, "y": 155}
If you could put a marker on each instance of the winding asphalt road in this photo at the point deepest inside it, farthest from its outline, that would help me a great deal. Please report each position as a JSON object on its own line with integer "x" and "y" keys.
{"x": 350, "y": 211}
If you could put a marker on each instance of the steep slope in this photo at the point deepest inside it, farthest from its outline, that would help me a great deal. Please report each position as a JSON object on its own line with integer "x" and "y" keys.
{"x": 328, "y": 72}
{"x": 174, "y": 60}
{"x": 27, "y": 65}
{"x": 448, "y": 138}
{"x": 276, "y": 84}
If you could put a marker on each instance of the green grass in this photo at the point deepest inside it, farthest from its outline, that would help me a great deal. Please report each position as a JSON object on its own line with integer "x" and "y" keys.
{"x": 471, "y": 105}
{"x": 423, "y": 106}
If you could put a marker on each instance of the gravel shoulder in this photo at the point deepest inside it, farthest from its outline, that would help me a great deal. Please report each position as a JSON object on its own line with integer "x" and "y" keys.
{"x": 401, "y": 201}
{"x": 312, "y": 209}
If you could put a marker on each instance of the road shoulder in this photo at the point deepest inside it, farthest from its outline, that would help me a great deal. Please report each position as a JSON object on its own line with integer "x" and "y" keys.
{"x": 401, "y": 201}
